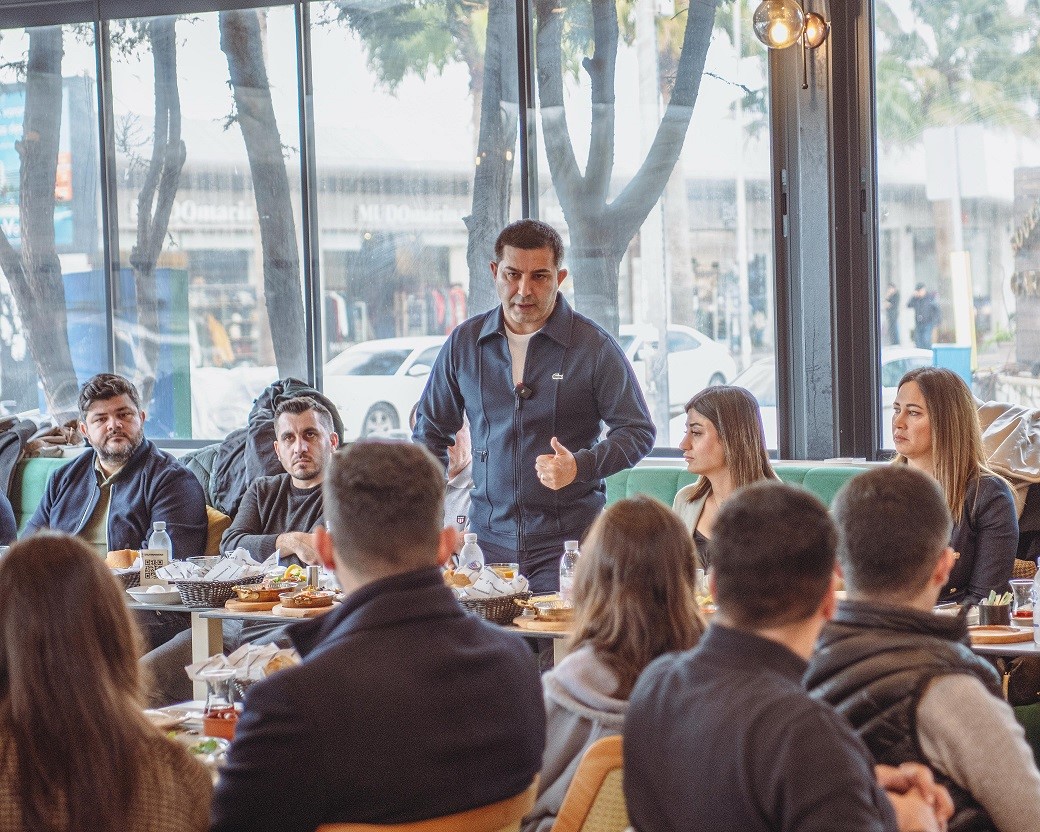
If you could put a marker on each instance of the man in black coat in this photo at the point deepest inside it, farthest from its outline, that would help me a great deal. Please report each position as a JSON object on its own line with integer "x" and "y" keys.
{"x": 404, "y": 707}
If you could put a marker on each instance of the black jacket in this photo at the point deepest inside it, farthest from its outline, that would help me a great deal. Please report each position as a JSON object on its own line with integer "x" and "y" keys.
{"x": 404, "y": 708}
{"x": 874, "y": 662}
{"x": 152, "y": 486}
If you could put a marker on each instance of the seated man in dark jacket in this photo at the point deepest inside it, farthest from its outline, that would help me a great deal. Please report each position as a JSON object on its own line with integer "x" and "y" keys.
{"x": 723, "y": 737}
{"x": 111, "y": 495}
{"x": 905, "y": 677}
{"x": 404, "y": 708}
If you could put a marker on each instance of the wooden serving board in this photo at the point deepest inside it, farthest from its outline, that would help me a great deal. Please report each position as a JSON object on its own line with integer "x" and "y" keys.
{"x": 535, "y": 625}
{"x": 235, "y": 605}
{"x": 306, "y": 612}
{"x": 999, "y": 634}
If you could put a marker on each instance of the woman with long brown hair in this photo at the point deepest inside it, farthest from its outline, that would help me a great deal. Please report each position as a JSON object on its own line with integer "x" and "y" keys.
{"x": 935, "y": 428}
{"x": 76, "y": 750}
{"x": 634, "y": 601}
{"x": 725, "y": 445}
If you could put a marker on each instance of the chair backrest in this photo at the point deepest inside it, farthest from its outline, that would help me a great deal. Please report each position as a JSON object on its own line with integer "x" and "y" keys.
{"x": 595, "y": 801}
{"x": 504, "y": 816}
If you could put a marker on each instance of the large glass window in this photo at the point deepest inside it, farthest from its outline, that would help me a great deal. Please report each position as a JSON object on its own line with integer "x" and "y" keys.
{"x": 659, "y": 173}
{"x": 416, "y": 131}
{"x": 959, "y": 193}
{"x": 53, "y": 318}
{"x": 208, "y": 301}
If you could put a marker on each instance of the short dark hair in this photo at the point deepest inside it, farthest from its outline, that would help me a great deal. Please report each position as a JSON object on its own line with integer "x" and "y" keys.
{"x": 893, "y": 524}
{"x": 301, "y": 404}
{"x": 772, "y": 555}
{"x": 528, "y": 235}
{"x": 106, "y": 386}
{"x": 384, "y": 501}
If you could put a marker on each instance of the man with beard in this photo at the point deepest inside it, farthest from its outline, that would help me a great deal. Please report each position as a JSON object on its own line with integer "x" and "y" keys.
{"x": 277, "y": 513}
{"x": 281, "y": 512}
{"x": 111, "y": 495}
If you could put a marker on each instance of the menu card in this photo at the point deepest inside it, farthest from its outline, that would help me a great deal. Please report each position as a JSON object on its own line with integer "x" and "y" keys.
{"x": 153, "y": 560}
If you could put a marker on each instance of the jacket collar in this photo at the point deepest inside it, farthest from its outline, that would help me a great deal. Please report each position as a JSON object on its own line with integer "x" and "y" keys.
{"x": 748, "y": 649}
{"x": 880, "y": 616}
{"x": 558, "y": 327}
{"x": 417, "y": 595}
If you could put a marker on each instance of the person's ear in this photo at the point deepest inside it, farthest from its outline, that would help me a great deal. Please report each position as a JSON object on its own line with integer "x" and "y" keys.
{"x": 143, "y": 416}
{"x": 829, "y": 603}
{"x": 326, "y": 551}
{"x": 494, "y": 269}
{"x": 447, "y": 544}
{"x": 561, "y": 276}
{"x": 83, "y": 428}
{"x": 943, "y": 567}
{"x": 334, "y": 439}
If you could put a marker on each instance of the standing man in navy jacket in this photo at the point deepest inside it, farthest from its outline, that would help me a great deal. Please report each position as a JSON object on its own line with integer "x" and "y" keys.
{"x": 538, "y": 381}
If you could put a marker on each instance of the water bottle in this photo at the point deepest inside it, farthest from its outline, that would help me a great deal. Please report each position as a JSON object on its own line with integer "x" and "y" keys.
{"x": 471, "y": 557}
{"x": 1034, "y": 595}
{"x": 159, "y": 539}
{"x": 568, "y": 563}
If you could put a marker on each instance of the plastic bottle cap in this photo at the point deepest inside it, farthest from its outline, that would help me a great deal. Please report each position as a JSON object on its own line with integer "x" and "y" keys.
{"x": 570, "y": 545}
{"x": 470, "y": 537}
{"x": 159, "y": 526}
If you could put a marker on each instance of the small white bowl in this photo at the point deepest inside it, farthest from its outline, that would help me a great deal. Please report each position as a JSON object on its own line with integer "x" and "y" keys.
{"x": 143, "y": 596}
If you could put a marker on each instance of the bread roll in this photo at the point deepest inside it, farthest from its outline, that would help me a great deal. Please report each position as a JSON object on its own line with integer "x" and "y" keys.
{"x": 121, "y": 558}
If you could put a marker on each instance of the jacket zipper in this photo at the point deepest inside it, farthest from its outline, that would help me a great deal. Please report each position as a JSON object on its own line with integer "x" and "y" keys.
{"x": 87, "y": 510}
{"x": 516, "y": 476}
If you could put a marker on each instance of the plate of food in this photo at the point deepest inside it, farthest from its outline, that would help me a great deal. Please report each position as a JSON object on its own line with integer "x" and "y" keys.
{"x": 154, "y": 595}
{"x": 307, "y": 599}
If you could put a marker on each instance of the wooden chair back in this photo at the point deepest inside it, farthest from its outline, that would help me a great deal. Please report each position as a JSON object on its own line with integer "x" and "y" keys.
{"x": 595, "y": 801}
{"x": 504, "y": 816}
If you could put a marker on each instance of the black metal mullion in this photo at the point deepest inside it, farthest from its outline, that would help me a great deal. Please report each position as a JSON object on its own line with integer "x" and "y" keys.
{"x": 109, "y": 198}
{"x": 528, "y": 130}
{"x": 309, "y": 193}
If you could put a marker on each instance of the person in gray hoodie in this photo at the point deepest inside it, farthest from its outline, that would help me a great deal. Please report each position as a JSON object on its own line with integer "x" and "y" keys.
{"x": 634, "y": 596}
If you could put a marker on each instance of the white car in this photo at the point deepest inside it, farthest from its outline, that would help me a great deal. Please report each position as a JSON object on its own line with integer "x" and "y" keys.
{"x": 374, "y": 384}
{"x": 760, "y": 379}
{"x": 695, "y": 361}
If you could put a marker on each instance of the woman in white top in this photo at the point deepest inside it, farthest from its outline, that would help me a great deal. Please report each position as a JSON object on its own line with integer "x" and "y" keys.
{"x": 725, "y": 445}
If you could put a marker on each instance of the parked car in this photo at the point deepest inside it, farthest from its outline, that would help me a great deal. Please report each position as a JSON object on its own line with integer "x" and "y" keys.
{"x": 375, "y": 383}
{"x": 695, "y": 361}
{"x": 760, "y": 379}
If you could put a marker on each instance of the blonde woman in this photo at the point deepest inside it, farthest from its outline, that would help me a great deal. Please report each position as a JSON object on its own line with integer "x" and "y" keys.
{"x": 634, "y": 599}
{"x": 725, "y": 445}
{"x": 935, "y": 428}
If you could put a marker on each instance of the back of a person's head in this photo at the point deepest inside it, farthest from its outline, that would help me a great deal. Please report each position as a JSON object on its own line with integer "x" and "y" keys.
{"x": 384, "y": 502}
{"x": 772, "y": 555}
{"x": 635, "y": 588}
{"x": 69, "y": 691}
{"x": 893, "y": 524}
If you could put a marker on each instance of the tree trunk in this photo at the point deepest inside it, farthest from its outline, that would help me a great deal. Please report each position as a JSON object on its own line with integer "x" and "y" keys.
{"x": 493, "y": 175}
{"x": 35, "y": 276}
{"x": 600, "y": 230}
{"x": 241, "y": 42}
{"x": 155, "y": 202}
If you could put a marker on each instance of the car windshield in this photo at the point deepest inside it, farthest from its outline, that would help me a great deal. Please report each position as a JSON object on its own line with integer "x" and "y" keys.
{"x": 760, "y": 379}
{"x": 359, "y": 361}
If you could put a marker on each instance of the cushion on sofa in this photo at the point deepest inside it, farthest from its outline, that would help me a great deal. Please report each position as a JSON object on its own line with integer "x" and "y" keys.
{"x": 30, "y": 484}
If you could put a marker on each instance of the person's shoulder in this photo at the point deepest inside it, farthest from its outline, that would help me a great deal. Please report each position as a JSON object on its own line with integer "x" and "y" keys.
{"x": 274, "y": 482}
{"x": 993, "y": 485}
{"x": 470, "y": 329}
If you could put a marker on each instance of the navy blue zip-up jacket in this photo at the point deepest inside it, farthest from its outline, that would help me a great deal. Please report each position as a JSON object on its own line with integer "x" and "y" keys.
{"x": 580, "y": 380}
{"x": 152, "y": 486}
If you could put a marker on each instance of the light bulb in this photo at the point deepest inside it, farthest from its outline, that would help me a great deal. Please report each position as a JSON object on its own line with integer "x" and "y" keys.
{"x": 778, "y": 23}
{"x": 816, "y": 29}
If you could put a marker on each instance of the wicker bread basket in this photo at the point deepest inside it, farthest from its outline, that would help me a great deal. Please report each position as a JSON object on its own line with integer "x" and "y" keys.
{"x": 211, "y": 593}
{"x": 500, "y": 610}
{"x": 129, "y": 579}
